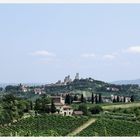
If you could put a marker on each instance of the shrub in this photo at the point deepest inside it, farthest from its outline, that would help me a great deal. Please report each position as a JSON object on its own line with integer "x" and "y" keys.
{"x": 83, "y": 108}
{"x": 96, "y": 109}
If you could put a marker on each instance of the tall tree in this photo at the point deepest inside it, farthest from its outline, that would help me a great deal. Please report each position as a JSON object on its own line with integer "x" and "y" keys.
{"x": 68, "y": 99}
{"x": 82, "y": 98}
{"x": 53, "y": 108}
{"x": 132, "y": 98}
{"x": 83, "y": 108}
{"x": 96, "y": 99}
{"x": 100, "y": 98}
{"x": 92, "y": 98}
{"x": 124, "y": 99}
{"x": 118, "y": 99}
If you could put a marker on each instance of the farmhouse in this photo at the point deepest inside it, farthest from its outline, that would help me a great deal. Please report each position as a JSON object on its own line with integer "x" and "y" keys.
{"x": 63, "y": 109}
{"x": 66, "y": 110}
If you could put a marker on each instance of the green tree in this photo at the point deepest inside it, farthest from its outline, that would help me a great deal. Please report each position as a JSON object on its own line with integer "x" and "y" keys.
{"x": 53, "y": 108}
{"x": 37, "y": 106}
{"x": 75, "y": 98}
{"x": 96, "y": 109}
{"x": 132, "y": 98}
{"x": 82, "y": 98}
{"x": 124, "y": 99}
{"x": 118, "y": 99}
{"x": 92, "y": 98}
{"x": 68, "y": 99}
{"x": 96, "y": 99}
{"x": 100, "y": 98}
{"x": 83, "y": 108}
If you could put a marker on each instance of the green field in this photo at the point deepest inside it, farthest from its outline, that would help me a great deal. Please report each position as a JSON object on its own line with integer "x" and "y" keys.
{"x": 109, "y": 106}
{"x": 112, "y": 127}
{"x": 128, "y": 105}
{"x": 48, "y": 125}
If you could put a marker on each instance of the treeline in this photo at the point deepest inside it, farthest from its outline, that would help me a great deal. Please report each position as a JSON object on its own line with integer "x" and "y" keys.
{"x": 44, "y": 105}
{"x": 13, "y": 108}
{"x": 95, "y": 98}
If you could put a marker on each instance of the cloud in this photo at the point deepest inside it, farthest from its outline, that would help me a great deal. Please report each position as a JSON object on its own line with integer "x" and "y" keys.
{"x": 42, "y": 53}
{"x": 88, "y": 55}
{"x": 109, "y": 56}
{"x": 133, "y": 49}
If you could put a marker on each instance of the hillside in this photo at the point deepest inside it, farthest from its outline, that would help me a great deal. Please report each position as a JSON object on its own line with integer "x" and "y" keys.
{"x": 81, "y": 86}
{"x": 90, "y": 85}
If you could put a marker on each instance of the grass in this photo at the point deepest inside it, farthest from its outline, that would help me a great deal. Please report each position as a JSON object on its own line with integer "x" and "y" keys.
{"x": 128, "y": 105}
{"x": 109, "y": 106}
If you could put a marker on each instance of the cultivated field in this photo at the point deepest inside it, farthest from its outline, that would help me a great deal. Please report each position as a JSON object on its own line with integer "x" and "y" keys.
{"x": 112, "y": 127}
{"x": 48, "y": 125}
{"x": 128, "y": 105}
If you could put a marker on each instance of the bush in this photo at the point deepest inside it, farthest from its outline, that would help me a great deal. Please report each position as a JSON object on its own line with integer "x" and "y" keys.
{"x": 83, "y": 108}
{"x": 96, "y": 109}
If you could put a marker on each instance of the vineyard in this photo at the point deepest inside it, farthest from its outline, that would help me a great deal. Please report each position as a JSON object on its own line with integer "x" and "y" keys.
{"x": 112, "y": 127}
{"x": 46, "y": 125}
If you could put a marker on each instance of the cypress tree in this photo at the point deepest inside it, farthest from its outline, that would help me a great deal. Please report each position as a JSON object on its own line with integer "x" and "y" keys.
{"x": 96, "y": 100}
{"x": 124, "y": 100}
{"x": 117, "y": 98}
{"x": 82, "y": 98}
{"x": 100, "y": 98}
{"x": 132, "y": 98}
{"x": 92, "y": 98}
{"x": 53, "y": 108}
{"x": 68, "y": 99}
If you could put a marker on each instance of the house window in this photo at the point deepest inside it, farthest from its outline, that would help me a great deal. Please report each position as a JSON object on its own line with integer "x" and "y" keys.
{"x": 64, "y": 113}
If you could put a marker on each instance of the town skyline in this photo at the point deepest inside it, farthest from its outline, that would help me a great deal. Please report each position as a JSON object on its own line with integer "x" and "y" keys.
{"x": 43, "y": 43}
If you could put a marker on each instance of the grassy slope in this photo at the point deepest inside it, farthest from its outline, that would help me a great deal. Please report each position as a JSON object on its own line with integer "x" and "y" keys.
{"x": 128, "y": 105}
{"x": 107, "y": 127}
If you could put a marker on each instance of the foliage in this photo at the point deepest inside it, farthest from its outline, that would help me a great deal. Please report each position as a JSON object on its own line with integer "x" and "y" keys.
{"x": 92, "y": 98}
{"x": 53, "y": 108}
{"x": 12, "y": 108}
{"x": 83, "y": 107}
{"x": 46, "y": 125}
{"x": 96, "y": 109}
{"x": 111, "y": 127}
{"x": 42, "y": 104}
{"x": 68, "y": 99}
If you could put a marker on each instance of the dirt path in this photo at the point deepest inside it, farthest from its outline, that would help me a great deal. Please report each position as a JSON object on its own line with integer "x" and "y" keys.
{"x": 79, "y": 129}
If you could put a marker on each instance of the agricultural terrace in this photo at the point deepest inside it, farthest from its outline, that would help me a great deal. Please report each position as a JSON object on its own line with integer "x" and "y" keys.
{"x": 112, "y": 127}
{"x": 46, "y": 125}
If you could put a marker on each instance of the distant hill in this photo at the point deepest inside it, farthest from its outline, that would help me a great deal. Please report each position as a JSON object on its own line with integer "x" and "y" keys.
{"x": 125, "y": 82}
{"x": 3, "y": 85}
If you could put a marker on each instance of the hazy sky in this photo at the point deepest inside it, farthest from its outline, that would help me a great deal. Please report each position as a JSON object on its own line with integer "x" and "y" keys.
{"x": 44, "y": 43}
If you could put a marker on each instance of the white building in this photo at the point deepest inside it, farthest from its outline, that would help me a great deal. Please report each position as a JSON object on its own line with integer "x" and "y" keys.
{"x": 66, "y": 110}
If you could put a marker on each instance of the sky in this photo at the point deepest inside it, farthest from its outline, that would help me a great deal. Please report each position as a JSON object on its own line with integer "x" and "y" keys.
{"x": 43, "y": 43}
